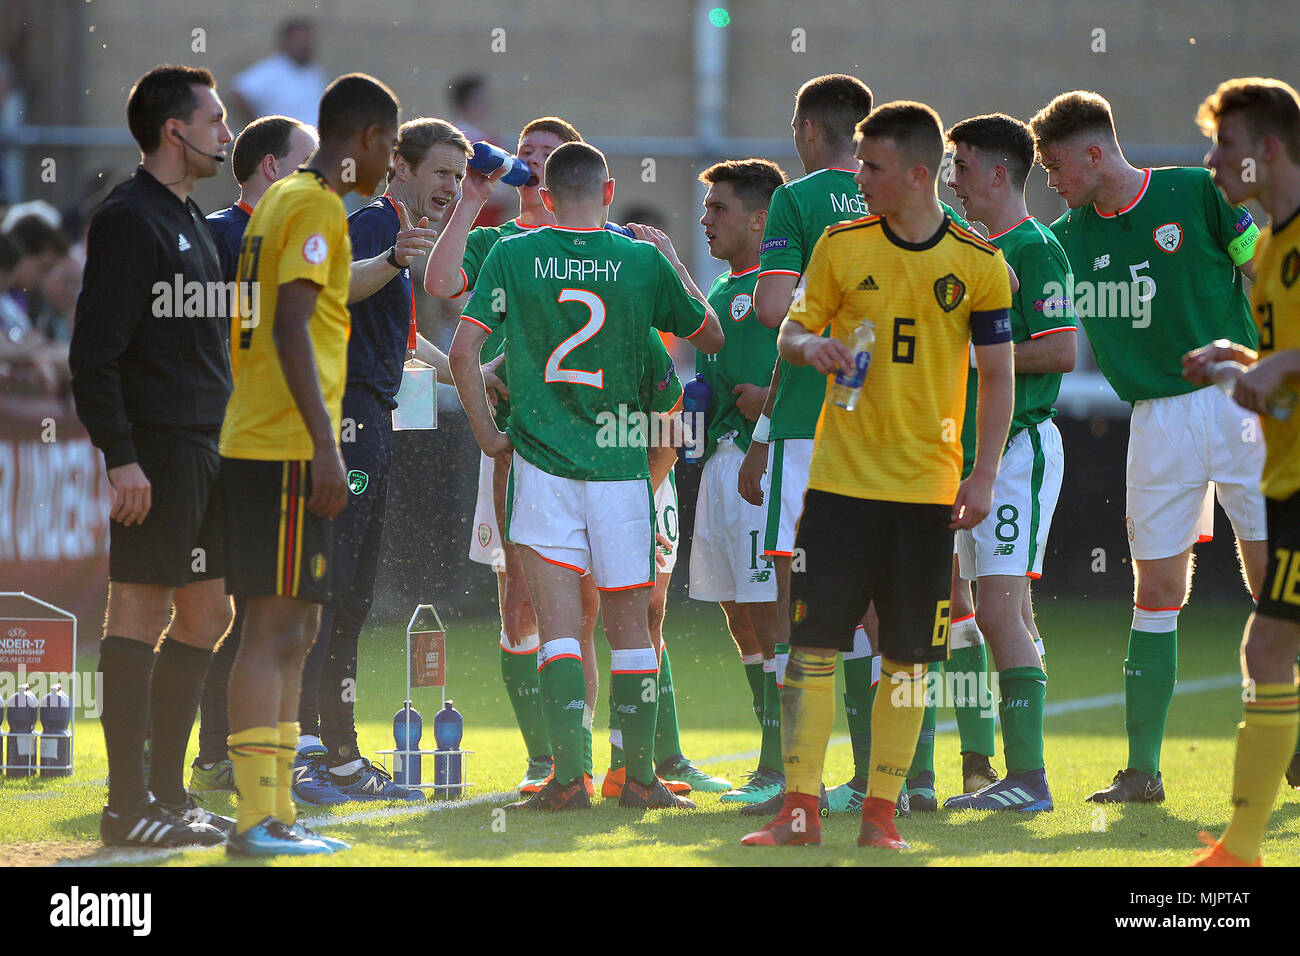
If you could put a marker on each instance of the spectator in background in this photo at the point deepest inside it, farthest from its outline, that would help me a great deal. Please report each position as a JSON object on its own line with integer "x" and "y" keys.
{"x": 39, "y": 246}
{"x": 27, "y": 361}
{"x": 288, "y": 83}
{"x": 473, "y": 110}
{"x": 59, "y": 291}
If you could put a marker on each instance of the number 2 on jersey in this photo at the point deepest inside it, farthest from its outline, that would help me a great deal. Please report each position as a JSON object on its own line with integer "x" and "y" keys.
{"x": 577, "y": 376}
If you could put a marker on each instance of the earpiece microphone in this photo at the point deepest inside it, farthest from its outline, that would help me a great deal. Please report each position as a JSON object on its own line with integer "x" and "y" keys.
{"x": 216, "y": 157}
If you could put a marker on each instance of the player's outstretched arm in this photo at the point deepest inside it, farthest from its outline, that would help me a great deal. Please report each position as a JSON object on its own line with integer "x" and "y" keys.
{"x": 294, "y": 305}
{"x": 709, "y": 339}
{"x": 1047, "y": 354}
{"x": 436, "y": 358}
{"x": 467, "y": 375}
{"x": 442, "y": 272}
{"x": 994, "y": 403}
{"x": 368, "y": 276}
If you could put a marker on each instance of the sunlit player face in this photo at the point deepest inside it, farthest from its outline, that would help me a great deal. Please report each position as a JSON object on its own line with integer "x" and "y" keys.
{"x": 205, "y": 135}
{"x": 1235, "y": 152}
{"x": 729, "y": 227}
{"x": 884, "y": 177}
{"x": 1072, "y": 171}
{"x": 971, "y": 181}
{"x": 435, "y": 183}
{"x": 533, "y": 150}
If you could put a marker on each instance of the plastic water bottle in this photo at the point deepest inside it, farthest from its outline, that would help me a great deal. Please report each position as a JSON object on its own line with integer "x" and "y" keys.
{"x": 20, "y": 754}
{"x": 488, "y": 157}
{"x": 1225, "y": 374}
{"x": 448, "y": 773}
{"x": 848, "y": 386}
{"x": 408, "y": 727}
{"x": 56, "y": 737}
{"x": 697, "y": 396}
{"x": 621, "y": 230}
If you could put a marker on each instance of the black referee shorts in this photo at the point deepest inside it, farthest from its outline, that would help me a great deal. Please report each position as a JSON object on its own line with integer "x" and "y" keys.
{"x": 275, "y": 545}
{"x": 180, "y": 540}
{"x": 858, "y": 550}
{"x": 1280, "y": 596}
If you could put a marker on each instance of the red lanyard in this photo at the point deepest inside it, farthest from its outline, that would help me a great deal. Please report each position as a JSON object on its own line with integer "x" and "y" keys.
{"x": 410, "y": 338}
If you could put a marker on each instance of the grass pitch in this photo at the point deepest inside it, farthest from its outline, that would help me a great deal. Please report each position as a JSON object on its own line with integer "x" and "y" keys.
{"x": 57, "y": 820}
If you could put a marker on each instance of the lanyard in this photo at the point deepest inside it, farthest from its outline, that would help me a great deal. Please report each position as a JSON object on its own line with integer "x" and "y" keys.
{"x": 410, "y": 338}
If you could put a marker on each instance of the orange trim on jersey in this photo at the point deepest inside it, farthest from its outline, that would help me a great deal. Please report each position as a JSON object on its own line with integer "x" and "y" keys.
{"x": 464, "y": 285}
{"x": 962, "y": 234}
{"x": 577, "y": 228}
{"x": 509, "y": 651}
{"x": 1063, "y": 328}
{"x": 837, "y": 227}
{"x": 678, "y": 406}
{"x": 957, "y": 620}
{"x": 1136, "y": 199}
{"x": 700, "y": 329}
{"x": 841, "y": 169}
{"x": 779, "y": 554}
{"x": 559, "y": 657}
{"x": 652, "y": 670}
{"x": 1202, "y": 538}
{"x": 629, "y": 587}
{"x": 1141, "y": 608}
{"x": 737, "y": 275}
{"x": 522, "y": 225}
{"x": 779, "y": 272}
{"x": 466, "y": 318}
{"x": 1032, "y": 576}
{"x": 560, "y": 564}
{"x": 1005, "y": 231}
{"x": 245, "y": 206}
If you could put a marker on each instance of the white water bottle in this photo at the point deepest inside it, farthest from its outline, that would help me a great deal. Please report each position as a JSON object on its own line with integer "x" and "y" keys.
{"x": 848, "y": 385}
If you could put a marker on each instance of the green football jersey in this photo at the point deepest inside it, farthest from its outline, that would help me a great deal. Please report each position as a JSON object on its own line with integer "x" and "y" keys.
{"x": 576, "y": 307}
{"x": 799, "y": 213}
{"x": 661, "y": 389}
{"x": 1038, "y": 308}
{"x": 747, "y": 356}
{"x": 478, "y": 244}
{"x": 1159, "y": 278}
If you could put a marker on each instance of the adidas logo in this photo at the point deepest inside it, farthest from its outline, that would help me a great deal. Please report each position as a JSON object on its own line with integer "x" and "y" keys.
{"x": 183, "y": 244}
{"x": 869, "y": 284}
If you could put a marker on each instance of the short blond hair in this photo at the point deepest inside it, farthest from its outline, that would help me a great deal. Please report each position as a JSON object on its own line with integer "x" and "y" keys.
{"x": 1265, "y": 105}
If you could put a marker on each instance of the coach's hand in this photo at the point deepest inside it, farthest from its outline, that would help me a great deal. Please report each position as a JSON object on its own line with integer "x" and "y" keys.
{"x": 132, "y": 494}
{"x": 329, "y": 485}
{"x": 750, "y": 399}
{"x": 750, "y": 481}
{"x": 412, "y": 241}
{"x": 828, "y": 356}
{"x": 974, "y": 502}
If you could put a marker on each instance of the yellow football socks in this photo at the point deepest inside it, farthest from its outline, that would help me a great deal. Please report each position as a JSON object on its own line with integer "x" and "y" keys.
{"x": 253, "y": 754}
{"x": 284, "y": 758}
{"x": 807, "y": 712}
{"x": 1266, "y": 739}
{"x": 896, "y": 719}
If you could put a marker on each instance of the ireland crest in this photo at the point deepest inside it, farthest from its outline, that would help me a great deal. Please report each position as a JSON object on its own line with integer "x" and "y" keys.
{"x": 357, "y": 481}
{"x": 741, "y": 305}
{"x": 1169, "y": 237}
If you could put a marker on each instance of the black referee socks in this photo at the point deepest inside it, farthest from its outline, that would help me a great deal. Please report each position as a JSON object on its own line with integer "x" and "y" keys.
{"x": 178, "y": 673}
{"x": 126, "y": 666}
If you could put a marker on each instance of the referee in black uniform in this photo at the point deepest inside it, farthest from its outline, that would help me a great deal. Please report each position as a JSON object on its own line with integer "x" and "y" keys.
{"x": 151, "y": 375}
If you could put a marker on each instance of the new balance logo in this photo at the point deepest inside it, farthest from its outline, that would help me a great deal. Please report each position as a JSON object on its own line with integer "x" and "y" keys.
{"x": 373, "y": 784}
{"x": 1101, "y": 262}
{"x": 1004, "y": 549}
{"x": 869, "y": 284}
{"x": 575, "y": 705}
{"x": 182, "y": 244}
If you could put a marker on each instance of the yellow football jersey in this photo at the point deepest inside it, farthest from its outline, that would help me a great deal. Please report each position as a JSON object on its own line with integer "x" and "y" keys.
{"x": 1275, "y": 303}
{"x": 299, "y": 230}
{"x": 903, "y": 441}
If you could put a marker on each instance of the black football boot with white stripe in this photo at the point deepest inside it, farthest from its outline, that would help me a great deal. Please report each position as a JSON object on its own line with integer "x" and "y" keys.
{"x": 153, "y": 825}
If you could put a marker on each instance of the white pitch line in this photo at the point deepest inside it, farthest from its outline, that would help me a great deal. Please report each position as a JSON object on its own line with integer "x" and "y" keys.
{"x": 1071, "y": 706}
